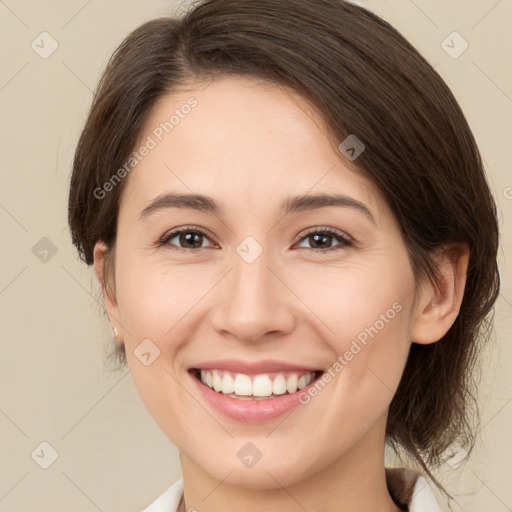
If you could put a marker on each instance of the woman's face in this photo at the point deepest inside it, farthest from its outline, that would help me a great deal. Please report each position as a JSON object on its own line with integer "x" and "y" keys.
{"x": 259, "y": 298}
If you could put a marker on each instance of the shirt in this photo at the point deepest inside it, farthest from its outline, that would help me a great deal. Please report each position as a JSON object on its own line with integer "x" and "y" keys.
{"x": 410, "y": 491}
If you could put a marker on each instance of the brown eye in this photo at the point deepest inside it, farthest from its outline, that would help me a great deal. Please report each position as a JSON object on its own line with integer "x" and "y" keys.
{"x": 188, "y": 239}
{"x": 319, "y": 239}
{"x": 194, "y": 239}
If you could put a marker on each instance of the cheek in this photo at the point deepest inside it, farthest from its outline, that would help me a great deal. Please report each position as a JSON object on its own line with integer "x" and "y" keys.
{"x": 354, "y": 303}
{"x": 367, "y": 314}
{"x": 153, "y": 298}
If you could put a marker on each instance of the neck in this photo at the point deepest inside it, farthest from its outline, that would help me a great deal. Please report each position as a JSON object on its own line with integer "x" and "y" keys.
{"x": 355, "y": 482}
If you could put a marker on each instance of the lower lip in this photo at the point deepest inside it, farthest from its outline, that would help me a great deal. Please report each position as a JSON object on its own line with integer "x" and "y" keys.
{"x": 250, "y": 411}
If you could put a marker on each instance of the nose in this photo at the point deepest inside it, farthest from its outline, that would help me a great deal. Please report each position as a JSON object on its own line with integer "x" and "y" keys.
{"x": 255, "y": 303}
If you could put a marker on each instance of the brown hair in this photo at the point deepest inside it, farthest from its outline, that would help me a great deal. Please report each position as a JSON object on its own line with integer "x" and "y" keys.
{"x": 365, "y": 79}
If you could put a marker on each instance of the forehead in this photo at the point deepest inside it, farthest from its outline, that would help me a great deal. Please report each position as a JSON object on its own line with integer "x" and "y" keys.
{"x": 248, "y": 142}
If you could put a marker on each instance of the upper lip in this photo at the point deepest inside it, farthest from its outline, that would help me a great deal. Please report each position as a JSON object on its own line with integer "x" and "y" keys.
{"x": 252, "y": 367}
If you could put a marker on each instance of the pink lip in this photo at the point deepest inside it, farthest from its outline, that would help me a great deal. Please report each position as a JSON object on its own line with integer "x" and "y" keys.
{"x": 247, "y": 367}
{"x": 249, "y": 411}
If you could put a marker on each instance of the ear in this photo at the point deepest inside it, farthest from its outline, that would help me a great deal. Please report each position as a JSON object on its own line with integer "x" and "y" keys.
{"x": 109, "y": 298}
{"x": 439, "y": 304}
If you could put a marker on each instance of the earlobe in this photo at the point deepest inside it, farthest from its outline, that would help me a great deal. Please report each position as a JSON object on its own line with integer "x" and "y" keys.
{"x": 109, "y": 299}
{"x": 439, "y": 303}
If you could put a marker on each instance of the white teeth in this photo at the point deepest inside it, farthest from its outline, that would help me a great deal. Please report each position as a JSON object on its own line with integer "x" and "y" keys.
{"x": 243, "y": 385}
{"x": 279, "y": 385}
{"x": 217, "y": 381}
{"x": 262, "y": 386}
{"x": 258, "y": 386}
{"x": 302, "y": 382}
{"x": 228, "y": 384}
{"x": 291, "y": 383}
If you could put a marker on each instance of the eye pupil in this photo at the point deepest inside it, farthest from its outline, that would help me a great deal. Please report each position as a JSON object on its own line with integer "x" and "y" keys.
{"x": 188, "y": 237}
{"x": 319, "y": 236}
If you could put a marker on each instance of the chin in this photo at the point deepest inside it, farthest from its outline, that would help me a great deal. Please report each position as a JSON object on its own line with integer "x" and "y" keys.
{"x": 265, "y": 474}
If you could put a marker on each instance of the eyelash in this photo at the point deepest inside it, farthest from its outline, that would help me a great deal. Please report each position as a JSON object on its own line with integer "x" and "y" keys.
{"x": 344, "y": 240}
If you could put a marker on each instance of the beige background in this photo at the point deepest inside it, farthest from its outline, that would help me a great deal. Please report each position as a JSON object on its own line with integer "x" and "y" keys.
{"x": 55, "y": 387}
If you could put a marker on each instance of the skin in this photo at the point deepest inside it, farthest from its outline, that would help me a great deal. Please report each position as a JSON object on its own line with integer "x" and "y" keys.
{"x": 250, "y": 145}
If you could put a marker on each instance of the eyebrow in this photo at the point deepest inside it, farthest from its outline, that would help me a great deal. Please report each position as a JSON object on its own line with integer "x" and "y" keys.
{"x": 290, "y": 205}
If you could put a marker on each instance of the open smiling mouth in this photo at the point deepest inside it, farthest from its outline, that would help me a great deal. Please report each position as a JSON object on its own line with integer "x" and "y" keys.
{"x": 255, "y": 387}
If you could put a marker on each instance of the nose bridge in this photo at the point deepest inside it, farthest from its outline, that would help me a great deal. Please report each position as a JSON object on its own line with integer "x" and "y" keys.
{"x": 251, "y": 276}
{"x": 254, "y": 300}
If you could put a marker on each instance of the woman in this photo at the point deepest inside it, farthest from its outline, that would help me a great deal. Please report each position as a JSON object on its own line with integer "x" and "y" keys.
{"x": 296, "y": 242}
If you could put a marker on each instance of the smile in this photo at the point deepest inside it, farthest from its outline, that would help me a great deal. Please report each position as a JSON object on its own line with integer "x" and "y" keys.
{"x": 258, "y": 386}
{"x": 251, "y": 392}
